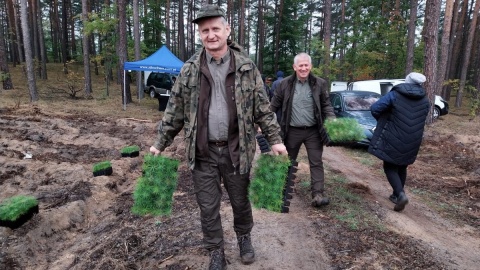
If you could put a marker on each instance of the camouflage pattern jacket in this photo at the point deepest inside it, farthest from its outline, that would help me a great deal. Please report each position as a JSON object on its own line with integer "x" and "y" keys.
{"x": 250, "y": 98}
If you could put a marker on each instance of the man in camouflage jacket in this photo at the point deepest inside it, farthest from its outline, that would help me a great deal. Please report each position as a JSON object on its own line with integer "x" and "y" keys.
{"x": 251, "y": 106}
{"x": 219, "y": 88}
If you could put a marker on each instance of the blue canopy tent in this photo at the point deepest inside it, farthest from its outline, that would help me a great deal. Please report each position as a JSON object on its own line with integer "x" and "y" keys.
{"x": 162, "y": 60}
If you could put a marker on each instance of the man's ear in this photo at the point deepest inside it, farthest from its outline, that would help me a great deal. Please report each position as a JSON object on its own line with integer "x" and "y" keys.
{"x": 229, "y": 30}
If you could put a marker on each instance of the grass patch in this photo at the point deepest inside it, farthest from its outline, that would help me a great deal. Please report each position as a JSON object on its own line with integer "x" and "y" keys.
{"x": 348, "y": 207}
{"x": 434, "y": 201}
{"x": 362, "y": 155}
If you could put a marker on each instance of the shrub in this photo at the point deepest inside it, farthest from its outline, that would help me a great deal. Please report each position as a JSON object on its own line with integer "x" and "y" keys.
{"x": 153, "y": 192}
{"x": 344, "y": 130}
{"x": 268, "y": 183}
{"x": 14, "y": 207}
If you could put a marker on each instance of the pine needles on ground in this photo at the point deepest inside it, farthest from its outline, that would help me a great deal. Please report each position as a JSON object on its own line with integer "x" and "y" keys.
{"x": 268, "y": 183}
{"x": 344, "y": 130}
{"x": 154, "y": 190}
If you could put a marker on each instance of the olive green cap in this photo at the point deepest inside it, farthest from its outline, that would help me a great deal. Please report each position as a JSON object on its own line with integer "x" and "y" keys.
{"x": 208, "y": 11}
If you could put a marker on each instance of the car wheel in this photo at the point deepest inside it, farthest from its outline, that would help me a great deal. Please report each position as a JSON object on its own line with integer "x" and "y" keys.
{"x": 436, "y": 112}
{"x": 152, "y": 93}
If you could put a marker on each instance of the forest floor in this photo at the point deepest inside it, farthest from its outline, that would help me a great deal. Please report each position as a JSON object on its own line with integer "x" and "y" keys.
{"x": 85, "y": 222}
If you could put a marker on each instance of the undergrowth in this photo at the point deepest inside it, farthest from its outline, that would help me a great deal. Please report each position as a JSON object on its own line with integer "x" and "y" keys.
{"x": 347, "y": 206}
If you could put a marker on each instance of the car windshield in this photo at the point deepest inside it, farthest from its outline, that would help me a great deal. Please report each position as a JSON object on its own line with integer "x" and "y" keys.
{"x": 359, "y": 103}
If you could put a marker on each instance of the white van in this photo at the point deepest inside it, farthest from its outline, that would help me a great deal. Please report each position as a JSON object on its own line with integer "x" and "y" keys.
{"x": 383, "y": 86}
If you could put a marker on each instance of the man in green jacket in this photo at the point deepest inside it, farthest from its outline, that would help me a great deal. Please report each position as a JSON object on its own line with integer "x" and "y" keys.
{"x": 304, "y": 104}
{"x": 217, "y": 100}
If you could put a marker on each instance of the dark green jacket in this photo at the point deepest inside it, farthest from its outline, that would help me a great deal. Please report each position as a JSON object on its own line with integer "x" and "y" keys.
{"x": 283, "y": 100}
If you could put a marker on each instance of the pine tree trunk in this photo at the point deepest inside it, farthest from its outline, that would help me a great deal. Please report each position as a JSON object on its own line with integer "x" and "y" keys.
{"x": 430, "y": 35}
{"x": 447, "y": 25}
{"x": 241, "y": 24}
{"x": 122, "y": 51}
{"x": 278, "y": 24}
{"x": 86, "y": 54}
{"x": 136, "y": 37}
{"x": 328, "y": 33}
{"x": 4, "y": 72}
{"x": 181, "y": 32}
{"x": 12, "y": 33}
{"x": 411, "y": 36}
{"x": 260, "y": 35}
{"x": 466, "y": 55}
{"x": 41, "y": 44}
{"x": 32, "y": 87}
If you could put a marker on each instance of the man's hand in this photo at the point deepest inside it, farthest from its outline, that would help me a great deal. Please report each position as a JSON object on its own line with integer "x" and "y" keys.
{"x": 279, "y": 149}
{"x": 154, "y": 151}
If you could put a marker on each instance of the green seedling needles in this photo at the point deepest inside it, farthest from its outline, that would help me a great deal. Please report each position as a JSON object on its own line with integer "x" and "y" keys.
{"x": 154, "y": 190}
{"x": 12, "y": 208}
{"x": 268, "y": 184}
{"x": 344, "y": 130}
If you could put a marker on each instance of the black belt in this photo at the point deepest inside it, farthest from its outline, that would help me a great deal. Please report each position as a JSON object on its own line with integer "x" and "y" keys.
{"x": 304, "y": 127}
{"x": 218, "y": 143}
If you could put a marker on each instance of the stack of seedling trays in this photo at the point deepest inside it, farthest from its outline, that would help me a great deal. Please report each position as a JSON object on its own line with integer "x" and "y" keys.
{"x": 17, "y": 210}
{"x": 272, "y": 183}
{"x": 343, "y": 132}
{"x": 102, "y": 168}
{"x": 130, "y": 151}
{"x": 153, "y": 194}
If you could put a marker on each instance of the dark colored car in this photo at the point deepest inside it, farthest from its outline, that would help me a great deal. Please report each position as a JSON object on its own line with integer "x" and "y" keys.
{"x": 159, "y": 84}
{"x": 356, "y": 104}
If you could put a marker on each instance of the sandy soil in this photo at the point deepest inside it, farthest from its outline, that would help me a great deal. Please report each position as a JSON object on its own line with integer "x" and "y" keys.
{"x": 85, "y": 222}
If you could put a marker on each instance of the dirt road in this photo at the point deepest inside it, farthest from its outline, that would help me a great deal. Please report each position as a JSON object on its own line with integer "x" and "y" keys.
{"x": 456, "y": 246}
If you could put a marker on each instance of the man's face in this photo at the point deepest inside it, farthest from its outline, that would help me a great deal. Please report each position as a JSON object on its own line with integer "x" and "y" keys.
{"x": 214, "y": 33}
{"x": 268, "y": 81}
{"x": 302, "y": 68}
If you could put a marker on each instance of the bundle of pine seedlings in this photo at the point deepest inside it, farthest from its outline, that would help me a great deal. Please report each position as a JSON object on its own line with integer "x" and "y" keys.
{"x": 269, "y": 178}
{"x": 344, "y": 130}
{"x": 130, "y": 151}
{"x": 17, "y": 210}
{"x": 153, "y": 192}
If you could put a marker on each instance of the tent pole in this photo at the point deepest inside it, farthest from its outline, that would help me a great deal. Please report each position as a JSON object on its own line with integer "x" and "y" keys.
{"x": 124, "y": 91}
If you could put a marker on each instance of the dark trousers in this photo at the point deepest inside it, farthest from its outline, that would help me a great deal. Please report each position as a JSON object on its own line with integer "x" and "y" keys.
{"x": 207, "y": 176}
{"x": 396, "y": 176}
{"x": 311, "y": 138}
